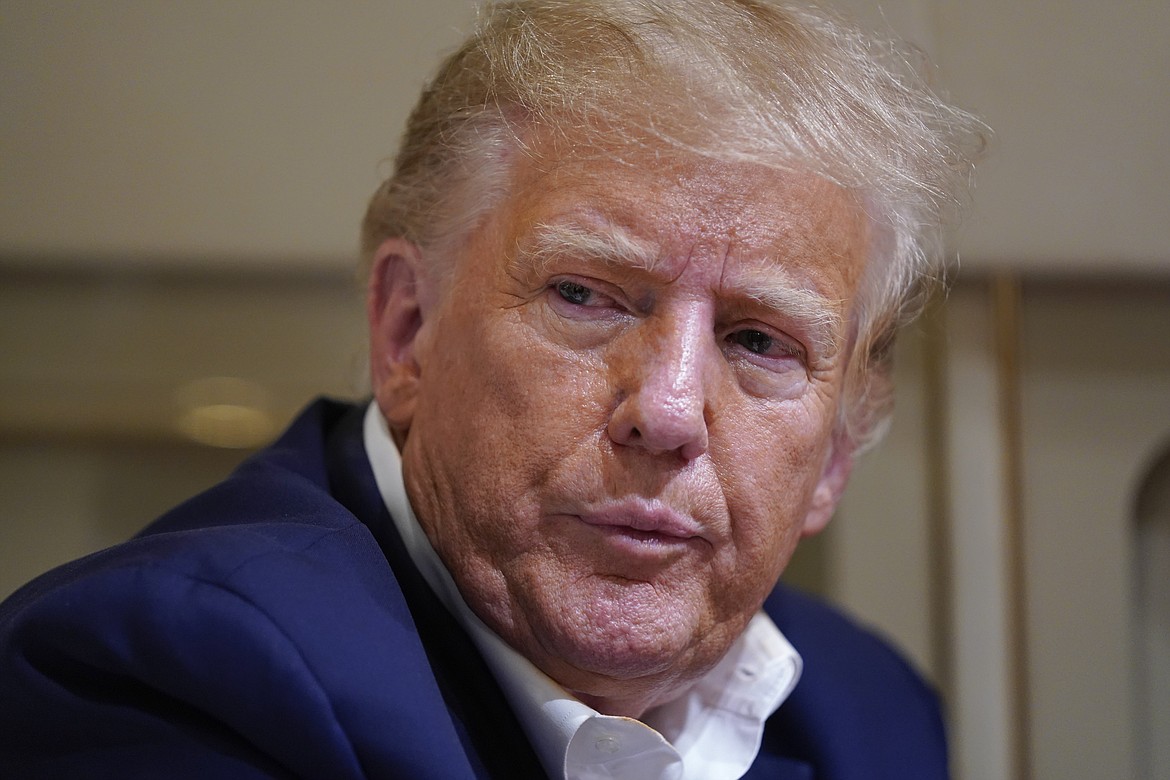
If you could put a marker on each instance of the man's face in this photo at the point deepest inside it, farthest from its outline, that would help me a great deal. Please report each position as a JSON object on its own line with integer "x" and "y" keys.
{"x": 624, "y": 410}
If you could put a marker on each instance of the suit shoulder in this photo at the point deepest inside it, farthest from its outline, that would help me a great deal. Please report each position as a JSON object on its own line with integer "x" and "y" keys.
{"x": 860, "y": 710}
{"x": 834, "y": 638}
{"x": 223, "y": 646}
{"x": 257, "y": 626}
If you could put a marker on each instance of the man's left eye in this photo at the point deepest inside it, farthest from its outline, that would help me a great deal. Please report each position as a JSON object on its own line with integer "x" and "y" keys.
{"x": 760, "y": 343}
{"x": 753, "y": 341}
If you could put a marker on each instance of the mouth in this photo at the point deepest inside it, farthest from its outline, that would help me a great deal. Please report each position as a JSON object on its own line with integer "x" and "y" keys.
{"x": 642, "y": 521}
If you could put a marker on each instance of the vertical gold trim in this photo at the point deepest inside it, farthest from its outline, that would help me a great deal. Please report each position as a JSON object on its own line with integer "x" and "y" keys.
{"x": 939, "y": 562}
{"x": 1006, "y": 303}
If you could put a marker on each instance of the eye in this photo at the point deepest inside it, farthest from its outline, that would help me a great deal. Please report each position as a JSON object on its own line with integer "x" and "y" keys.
{"x": 575, "y": 293}
{"x": 762, "y": 346}
{"x": 583, "y": 310}
{"x": 752, "y": 341}
{"x": 576, "y": 297}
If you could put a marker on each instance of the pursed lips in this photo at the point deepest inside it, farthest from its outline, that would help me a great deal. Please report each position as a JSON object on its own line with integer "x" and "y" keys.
{"x": 650, "y": 518}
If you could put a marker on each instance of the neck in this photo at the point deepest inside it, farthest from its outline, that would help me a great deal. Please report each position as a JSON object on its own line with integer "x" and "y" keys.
{"x": 634, "y": 700}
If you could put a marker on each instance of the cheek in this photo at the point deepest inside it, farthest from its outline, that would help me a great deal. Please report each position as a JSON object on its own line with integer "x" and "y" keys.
{"x": 769, "y": 466}
{"x": 503, "y": 407}
{"x": 550, "y": 398}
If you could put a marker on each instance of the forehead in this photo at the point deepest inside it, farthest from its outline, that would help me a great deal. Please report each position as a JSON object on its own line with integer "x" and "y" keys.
{"x": 679, "y": 207}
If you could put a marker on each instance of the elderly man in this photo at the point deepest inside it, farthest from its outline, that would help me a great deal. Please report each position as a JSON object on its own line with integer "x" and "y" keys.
{"x": 632, "y": 288}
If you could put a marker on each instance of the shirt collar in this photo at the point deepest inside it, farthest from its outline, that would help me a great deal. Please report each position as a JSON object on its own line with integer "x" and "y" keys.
{"x": 713, "y": 731}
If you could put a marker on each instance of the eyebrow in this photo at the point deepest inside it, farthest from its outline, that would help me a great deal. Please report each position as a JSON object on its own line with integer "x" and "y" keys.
{"x": 773, "y": 287}
{"x": 609, "y": 243}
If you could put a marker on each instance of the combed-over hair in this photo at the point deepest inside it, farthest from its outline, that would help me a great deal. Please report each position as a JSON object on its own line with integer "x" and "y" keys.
{"x": 785, "y": 86}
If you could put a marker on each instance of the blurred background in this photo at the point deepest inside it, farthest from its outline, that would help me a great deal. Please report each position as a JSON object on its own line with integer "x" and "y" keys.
{"x": 180, "y": 192}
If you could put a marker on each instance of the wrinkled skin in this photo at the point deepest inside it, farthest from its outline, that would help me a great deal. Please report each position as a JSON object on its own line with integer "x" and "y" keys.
{"x": 616, "y": 457}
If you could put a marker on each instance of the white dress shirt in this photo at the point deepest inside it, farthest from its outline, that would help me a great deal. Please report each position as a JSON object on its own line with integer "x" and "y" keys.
{"x": 712, "y": 731}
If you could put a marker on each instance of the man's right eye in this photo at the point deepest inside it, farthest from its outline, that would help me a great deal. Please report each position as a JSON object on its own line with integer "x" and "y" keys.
{"x": 574, "y": 293}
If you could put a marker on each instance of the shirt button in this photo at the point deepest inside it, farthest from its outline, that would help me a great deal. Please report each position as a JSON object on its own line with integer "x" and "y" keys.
{"x": 607, "y": 743}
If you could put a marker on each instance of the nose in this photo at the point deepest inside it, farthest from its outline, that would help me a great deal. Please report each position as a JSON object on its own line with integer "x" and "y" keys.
{"x": 664, "y": 401}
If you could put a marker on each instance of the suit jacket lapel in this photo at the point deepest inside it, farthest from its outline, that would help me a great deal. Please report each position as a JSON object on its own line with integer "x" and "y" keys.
{"x": 494, "y": 740}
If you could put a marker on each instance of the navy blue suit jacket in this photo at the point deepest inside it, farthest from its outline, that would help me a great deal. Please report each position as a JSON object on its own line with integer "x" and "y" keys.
{"x": 275, "y": 627}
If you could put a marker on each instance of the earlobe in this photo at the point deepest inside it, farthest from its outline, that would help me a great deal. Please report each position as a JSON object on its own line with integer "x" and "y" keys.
{"x": 831, "y": 486}
{"x": 397, "y": 286}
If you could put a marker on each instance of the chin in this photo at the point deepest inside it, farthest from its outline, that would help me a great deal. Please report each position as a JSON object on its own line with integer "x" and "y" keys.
{"x": 624, "y": 632}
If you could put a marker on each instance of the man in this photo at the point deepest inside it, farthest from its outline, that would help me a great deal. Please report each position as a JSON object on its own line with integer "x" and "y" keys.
{"x": 632, "y": 288}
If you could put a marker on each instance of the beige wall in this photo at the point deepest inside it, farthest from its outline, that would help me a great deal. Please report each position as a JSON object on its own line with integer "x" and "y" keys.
{"x": 1096, "y": 412}
{"x": 214, "y": 132}
{"x": 1078, "y": 94}
{"x": 68, "y": 497}
{"x": 252, "y": 132}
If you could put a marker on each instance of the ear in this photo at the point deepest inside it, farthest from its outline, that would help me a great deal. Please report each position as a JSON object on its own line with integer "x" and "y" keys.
{"x": 834, "y": 476}
{"x": 397, "y": 301}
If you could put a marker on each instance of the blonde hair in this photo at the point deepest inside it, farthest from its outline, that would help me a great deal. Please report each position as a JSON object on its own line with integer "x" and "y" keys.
{"x": 788, "y": 86}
